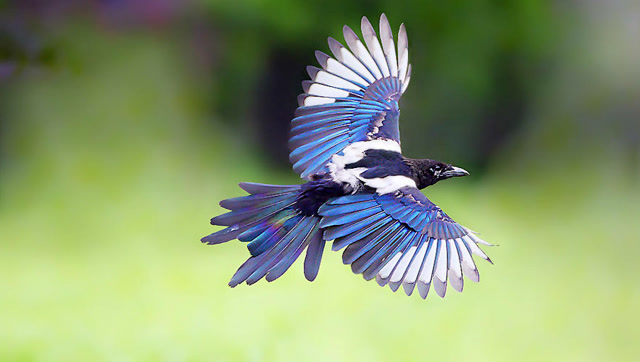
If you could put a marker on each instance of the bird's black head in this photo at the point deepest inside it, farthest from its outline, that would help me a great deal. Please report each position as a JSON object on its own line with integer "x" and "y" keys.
{"x": 427, "y": 172}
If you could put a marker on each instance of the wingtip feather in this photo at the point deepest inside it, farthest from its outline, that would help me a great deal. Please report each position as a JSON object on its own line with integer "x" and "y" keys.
{"x": 440, "y": 287}
{"x": 312, "y": 71}
{"x": 306, "y": 84}
{"x": 322, "y": 58}
{"x": 335, "y": 46}
{"x": 423, "y": 289}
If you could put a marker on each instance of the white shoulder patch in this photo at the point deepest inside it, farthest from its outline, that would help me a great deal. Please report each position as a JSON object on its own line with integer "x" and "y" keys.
{"x": 389, "y": 145}
{"x": 354, "y": 153}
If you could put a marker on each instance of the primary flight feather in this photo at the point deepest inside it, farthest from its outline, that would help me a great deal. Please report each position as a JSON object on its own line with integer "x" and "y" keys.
{"x": 361, "y": 192}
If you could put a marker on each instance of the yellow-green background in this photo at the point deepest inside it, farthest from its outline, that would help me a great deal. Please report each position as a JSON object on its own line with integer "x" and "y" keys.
{"x": 114, "y": 158}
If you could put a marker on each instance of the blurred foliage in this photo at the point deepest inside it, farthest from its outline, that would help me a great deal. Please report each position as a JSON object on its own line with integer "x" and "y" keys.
{"x": 113, "y": 157}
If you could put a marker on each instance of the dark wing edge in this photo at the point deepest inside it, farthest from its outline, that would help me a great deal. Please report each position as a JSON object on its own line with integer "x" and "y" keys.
{"x": 403, "y": 239}
{"x": 353, "y": 98}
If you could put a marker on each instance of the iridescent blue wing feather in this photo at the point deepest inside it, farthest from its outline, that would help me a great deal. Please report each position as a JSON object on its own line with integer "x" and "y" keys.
{"x": 353, "y": 98}
{"x": 401, "y": 238}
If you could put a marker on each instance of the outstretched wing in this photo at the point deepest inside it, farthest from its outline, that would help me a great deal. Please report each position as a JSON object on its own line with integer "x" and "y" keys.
{"x": 353, "y": 98}
{"x": 403, "y": 239}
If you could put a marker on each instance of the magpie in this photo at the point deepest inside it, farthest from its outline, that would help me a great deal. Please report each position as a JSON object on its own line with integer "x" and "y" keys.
{"x": 360, "y": 191}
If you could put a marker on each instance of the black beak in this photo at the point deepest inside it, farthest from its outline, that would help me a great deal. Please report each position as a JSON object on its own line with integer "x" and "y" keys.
{"x": 453, "y": 171}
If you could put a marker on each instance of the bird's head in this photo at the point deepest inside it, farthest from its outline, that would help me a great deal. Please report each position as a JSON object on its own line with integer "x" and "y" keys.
{"x": 428, "y": 172}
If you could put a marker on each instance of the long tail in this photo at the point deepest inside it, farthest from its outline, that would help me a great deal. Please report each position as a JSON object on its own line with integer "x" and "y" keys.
{"x": 277, "y": 233}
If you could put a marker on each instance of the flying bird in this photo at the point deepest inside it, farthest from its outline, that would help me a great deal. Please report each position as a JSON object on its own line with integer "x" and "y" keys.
{"x": 360, "y": 191}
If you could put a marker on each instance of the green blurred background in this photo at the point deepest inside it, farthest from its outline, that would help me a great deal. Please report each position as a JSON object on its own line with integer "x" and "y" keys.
{"x": 123, "y": 123}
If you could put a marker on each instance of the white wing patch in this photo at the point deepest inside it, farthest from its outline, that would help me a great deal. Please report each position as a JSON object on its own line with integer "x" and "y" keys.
{"x": 386, "y": 37}
{"x": 347, "y": 58}
{"x": 337, "y": 68}
{"x": 358, "y": 66}
{"x": 314, "y": 101}
{"x": 407, "y": 78}
{"x": 403, "y": 53}
{"x": 373, "y": 44}
{"x": 326, "y": 78}
{"x": 434, "y": 263}
{"x": 322, "y": 90}
{"x": 360, "y": 51}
